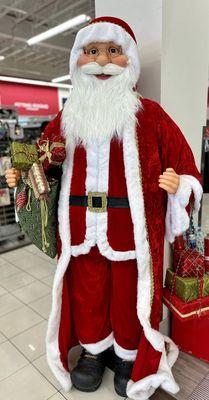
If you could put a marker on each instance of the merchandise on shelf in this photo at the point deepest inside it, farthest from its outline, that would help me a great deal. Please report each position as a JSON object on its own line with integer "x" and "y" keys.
{"x": 9, "y": 229}
{"x": 5, "y": 163}
{"x": 4, "y": 197}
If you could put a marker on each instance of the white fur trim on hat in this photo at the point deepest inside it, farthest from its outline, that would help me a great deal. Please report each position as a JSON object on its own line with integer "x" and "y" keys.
{"x": 105, "y": 32}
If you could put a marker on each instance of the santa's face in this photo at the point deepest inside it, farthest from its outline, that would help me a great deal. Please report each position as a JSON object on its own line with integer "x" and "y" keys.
{"x": 102, "y": 100}
{"x": 103, "y": 54}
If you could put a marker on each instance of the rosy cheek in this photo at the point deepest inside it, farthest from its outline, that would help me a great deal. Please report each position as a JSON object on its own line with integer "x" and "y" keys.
{"x": 82, "y": 60}
{"x": 122, "y": 61}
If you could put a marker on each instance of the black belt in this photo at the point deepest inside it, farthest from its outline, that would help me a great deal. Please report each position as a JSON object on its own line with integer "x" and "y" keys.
{"x": 99, "y": 201}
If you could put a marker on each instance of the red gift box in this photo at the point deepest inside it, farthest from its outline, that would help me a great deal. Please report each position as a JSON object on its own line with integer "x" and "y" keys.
{"x": 206, "y": 247}
{"x": 190, "y": 264}
{"x": 186, "y": 311}
{"x": 191, "y": 336}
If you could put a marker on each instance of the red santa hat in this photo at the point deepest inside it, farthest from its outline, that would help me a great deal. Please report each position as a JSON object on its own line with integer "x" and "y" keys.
{"x": 107, "y": 29}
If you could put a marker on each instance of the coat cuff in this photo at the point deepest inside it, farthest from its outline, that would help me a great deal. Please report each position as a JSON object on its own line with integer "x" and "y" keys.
{"x": 177, "y": 218}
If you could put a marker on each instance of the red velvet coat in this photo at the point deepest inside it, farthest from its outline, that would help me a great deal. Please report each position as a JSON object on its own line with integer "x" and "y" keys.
{"x": 133, "y": 172}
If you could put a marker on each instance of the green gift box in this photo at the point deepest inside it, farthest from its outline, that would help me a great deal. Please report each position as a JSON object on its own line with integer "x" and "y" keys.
{"x": 187, "y": 289}
{"x": 23, "y": 155}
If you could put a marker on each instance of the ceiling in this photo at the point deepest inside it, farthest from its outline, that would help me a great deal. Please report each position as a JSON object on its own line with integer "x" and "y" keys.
{"x": 22, "y": 19}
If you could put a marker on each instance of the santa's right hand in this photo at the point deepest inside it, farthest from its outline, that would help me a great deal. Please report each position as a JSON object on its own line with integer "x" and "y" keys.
{"x": 12, "y": 176}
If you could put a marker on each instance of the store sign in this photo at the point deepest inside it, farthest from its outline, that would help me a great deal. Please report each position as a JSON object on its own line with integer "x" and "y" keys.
{"x": 29, "y": 99}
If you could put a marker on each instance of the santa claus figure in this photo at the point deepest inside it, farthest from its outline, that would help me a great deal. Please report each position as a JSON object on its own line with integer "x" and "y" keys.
{"x": 128, "y": 178}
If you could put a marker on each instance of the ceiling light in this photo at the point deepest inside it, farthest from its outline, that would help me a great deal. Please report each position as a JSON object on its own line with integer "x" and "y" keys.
{"x": 17, "y": 10}
{"x": 2, "y": 58}
{"x": 61, "y": 78}
{"x": 71, "y": 23}
{"x": 33, "y": 82}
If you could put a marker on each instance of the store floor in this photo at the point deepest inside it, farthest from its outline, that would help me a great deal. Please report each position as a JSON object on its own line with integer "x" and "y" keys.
{"x": 26, "y": 277}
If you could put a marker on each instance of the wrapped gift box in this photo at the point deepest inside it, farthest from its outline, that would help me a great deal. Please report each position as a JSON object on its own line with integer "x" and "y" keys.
{"x": 191, "y": 336}
{"x": 187, "y": 289}
{"x": 190, "y": 264}
{"x": 52, "y": 153}
{"x": 23, "y": 155}
{"x": 186, "y": 311}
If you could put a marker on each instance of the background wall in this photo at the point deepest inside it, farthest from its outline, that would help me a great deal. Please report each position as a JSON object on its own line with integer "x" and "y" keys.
{"x": 145, "y": 18}
{"x": 184, "y": 66}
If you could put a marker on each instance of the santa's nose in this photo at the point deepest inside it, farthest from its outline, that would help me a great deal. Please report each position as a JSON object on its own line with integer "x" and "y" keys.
{"x": 102, "y": 59}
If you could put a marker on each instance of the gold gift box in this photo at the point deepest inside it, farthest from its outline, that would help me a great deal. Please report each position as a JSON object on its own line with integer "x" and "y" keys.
{"x": 187, "y": 289}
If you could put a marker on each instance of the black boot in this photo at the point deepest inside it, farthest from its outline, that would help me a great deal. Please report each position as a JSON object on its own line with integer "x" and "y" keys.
{"x": 123, "y": 370}
{"x": 88, "y": 373}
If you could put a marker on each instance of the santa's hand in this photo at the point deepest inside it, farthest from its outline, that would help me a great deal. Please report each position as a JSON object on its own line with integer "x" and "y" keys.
{"x": 12, "y": 176}
{"x": 169, "y": 181}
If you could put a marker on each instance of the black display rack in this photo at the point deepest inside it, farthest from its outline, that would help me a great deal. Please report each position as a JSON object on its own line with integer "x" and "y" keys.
{"x": 9, "y": 228}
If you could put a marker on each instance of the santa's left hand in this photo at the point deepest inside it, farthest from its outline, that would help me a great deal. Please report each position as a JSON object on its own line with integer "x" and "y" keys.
{"x": 169, "y": 181}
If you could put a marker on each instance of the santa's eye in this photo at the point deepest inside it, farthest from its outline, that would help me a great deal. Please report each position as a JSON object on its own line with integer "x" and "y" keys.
{"x": 93, "y": 52}
{"x": 114, "y": 51}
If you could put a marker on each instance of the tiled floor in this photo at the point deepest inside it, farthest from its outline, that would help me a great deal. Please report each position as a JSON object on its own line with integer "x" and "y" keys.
{"x": 26, "y": 277}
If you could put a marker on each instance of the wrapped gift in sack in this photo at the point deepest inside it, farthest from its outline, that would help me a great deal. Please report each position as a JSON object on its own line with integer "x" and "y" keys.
{"x": 23, "y": 155}
{"x": 38, "y": 181}
{"x": 41, "y": 189}
{"x": 191, "y": 264}
{"x": 187, "y": 289}
{"x": 51, "y": 153}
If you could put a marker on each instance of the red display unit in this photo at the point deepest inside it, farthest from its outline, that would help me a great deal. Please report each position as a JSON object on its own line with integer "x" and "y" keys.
{"x": 192, "y": 336}
{"x": 30, "y": 100}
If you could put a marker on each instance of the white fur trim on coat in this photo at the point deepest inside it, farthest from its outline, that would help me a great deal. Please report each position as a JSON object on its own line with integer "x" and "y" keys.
{"x": 99, "y": 347}
{"x": 52, "y": 336}
{"x": 144, "y": 388}
{"x": 91, "y": 218}
{"x": 128, "y": 355}
{"x": 163, "y": 377}
{"x": 104, "y": 32}
{"x": 97, "y": 180}
{"x": 177, "y": 218}
{"x": 103, "y": 183}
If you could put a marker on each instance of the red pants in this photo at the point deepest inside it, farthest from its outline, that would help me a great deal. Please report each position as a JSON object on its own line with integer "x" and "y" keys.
{"x": 103, "y": 298}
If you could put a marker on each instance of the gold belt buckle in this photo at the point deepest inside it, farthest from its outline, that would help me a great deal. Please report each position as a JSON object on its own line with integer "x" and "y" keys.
{"x": 103, "y": 207}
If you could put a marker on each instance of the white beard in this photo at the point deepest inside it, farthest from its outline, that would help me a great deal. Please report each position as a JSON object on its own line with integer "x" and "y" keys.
{"x": 97, "y": 110}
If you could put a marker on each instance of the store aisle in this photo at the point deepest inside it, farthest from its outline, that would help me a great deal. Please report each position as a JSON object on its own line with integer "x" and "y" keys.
{"x": 26, "y": 277}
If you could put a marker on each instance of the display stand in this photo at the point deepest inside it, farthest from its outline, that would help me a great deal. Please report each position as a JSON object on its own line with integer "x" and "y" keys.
{"x": 9, "y": 228}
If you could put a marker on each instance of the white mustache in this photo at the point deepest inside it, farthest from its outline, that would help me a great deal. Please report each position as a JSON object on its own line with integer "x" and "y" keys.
{"x": 95, "y": 69}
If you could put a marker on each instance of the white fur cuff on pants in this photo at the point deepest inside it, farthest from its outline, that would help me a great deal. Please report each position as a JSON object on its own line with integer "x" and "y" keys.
{"x": 99, "y": 347}
{"x": 128, "y": 355}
